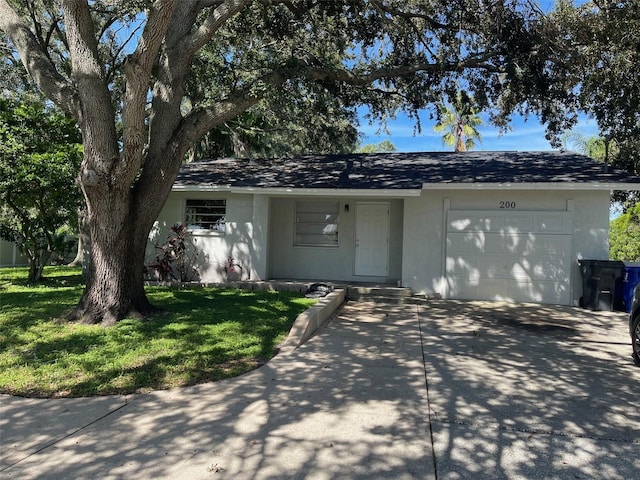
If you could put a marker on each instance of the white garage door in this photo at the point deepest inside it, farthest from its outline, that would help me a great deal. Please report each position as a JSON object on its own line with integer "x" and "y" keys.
{"x": 507, "y": 255}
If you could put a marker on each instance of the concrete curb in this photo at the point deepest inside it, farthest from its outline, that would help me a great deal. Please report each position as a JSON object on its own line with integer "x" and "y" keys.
{"x": 304, "y": 326}
{"x": 309, "y": 321}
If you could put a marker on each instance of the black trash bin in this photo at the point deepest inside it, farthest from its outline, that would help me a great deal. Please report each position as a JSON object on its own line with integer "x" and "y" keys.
{"x": 601, "y": 284}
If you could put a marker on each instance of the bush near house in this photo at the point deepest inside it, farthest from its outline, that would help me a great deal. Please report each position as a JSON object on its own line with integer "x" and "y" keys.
{"x": 624, "y": 236}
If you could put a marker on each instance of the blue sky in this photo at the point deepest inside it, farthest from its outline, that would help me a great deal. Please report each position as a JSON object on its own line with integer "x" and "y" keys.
{"x": 525, "y": 135}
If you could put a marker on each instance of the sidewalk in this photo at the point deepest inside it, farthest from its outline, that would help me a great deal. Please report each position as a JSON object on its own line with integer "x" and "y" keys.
{"x": 350, "y": 403}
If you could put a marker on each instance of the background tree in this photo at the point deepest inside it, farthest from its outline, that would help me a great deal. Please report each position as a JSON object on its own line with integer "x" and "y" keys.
{"x": 312, "y": 122}
{"x": 459, "y": 121}
{"x": 14, "y": 79}
{"x": 122, "y": 71}
{"x": 624, "y": 235}
{"x": 40, "y": 153}
{"x": 596, "y": 147}
{"x": 384, "y": 146}
{"x": 599, "y": 42}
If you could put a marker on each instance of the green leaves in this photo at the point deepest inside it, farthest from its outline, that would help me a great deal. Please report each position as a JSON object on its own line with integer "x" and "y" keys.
{"x": 40, "y": 155}
{"x": 600, "y": 47}
{"x": 458, "y": 122}
{"x": 624, "y": 236}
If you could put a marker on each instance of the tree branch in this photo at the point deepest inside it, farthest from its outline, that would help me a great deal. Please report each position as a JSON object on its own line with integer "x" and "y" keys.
{"x": 212, "y": 23}
{"x": 137, "y": 70}
{"x": 201, "y": 121}
{"x": 34, "y": 58}
{"x": 319, "y": 73}
{"x": 408, "y": 15}
{"x": 101, "y": 154}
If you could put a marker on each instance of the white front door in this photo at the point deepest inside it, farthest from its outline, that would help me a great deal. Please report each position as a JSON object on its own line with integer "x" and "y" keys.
{"x": 372, "y": 239}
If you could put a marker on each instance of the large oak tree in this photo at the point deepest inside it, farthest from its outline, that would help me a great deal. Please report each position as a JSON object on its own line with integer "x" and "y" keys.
{"x": 125, "y": 72}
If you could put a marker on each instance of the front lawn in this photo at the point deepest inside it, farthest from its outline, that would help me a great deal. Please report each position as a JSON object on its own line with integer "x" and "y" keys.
{"x": 206, "y": 335}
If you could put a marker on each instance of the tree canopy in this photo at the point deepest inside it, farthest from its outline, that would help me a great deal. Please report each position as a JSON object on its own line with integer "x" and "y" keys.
{"x": 600, "y": 45}
{"x": 384, "y": 146}
{"x": 624, "y": 235}
{"x": 127, "y": 73}
{"x": 40, "y": 154}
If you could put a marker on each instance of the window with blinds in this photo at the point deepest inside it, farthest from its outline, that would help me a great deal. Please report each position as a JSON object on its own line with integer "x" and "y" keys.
{"x": 316, "y": 223}
{"x": 206, "y": 215}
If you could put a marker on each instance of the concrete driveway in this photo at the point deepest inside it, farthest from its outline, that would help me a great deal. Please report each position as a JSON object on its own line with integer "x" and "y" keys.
{"x": 449, "y": 390}
{"x": 529, "y": 391}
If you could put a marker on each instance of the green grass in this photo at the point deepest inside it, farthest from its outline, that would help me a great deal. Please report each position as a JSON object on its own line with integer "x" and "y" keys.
{"x": 206, "y": 335}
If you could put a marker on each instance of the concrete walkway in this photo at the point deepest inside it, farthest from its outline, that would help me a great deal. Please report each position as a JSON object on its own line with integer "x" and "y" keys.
{"x": 350, "y": 403}
{"x": 451, "y": 390}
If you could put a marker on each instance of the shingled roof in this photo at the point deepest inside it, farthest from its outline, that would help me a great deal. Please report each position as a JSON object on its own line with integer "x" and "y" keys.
{"x": 405, "y": 171}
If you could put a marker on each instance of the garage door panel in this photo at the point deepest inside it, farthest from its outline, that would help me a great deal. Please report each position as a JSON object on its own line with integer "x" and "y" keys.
{"x": 496, "y": 266}
{"x": 510, "y": 290}
{"x": 527, "y": 244}
{"x": 509, "y": 221}
{"x": 481, "y": 242}
{"x": 552, "y": 223}
{"x": 475, "y": 222}
{"x": 519, "y": 256}
{"x": 520, "y": 223}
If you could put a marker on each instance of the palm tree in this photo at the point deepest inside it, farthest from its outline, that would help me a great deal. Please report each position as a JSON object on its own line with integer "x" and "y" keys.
{"x": 597, "y": 147}
{"x": 459, "y": 121}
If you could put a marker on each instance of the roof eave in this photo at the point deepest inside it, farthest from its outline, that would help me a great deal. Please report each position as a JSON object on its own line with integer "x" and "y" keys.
{"x": 532, "y": 186}
{"x": 301, "y": 192}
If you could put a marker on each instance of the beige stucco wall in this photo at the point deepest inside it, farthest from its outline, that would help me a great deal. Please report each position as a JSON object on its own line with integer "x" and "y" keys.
{"x": 260, "y": 234}
{"x": 268, "y": 252}
{"x": 243, "y": 239}
{"x": 424, "y": 221}
{"x": 328, "y": 263}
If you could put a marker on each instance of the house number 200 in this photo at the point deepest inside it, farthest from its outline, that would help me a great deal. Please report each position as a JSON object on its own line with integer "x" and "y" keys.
{"x": 507, "y": 204}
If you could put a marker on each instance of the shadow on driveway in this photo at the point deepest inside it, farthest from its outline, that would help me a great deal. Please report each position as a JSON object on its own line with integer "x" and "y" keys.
{"x": 511, "y": 391}
{"x": 531, "y": 391}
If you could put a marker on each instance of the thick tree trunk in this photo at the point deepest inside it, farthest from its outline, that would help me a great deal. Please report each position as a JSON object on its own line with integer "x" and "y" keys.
{"x": 114, "y": 281}
{"x": 35, "y": 272}
{"x": 37, "y": 262}
{"x": 115, "y": 284}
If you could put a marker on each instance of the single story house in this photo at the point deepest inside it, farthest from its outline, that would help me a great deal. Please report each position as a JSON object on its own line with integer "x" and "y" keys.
{"x": 471, "y": 225}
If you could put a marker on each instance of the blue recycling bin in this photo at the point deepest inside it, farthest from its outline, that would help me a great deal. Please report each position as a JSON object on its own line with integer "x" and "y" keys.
{"x": 630, "y": 278}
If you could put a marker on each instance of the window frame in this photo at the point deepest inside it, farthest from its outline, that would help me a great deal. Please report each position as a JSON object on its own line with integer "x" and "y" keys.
{"x": 216, "y": 203}
{"x": 309, "y": 219}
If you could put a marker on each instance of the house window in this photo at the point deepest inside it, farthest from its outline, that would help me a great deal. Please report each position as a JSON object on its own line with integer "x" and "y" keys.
{"x": 206, "y": 215}
{"x": 317, "y": 224}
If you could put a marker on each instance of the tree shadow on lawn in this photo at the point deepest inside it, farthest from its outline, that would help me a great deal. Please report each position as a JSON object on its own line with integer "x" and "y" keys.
{"x": 23, "y": 311}
{"x": 204, "y": 336}
{"x": 266, "y": 314}
{"x": 161, "y": 372}
{"x": 51, "y": 279}
{"x": 347, "y": 404}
